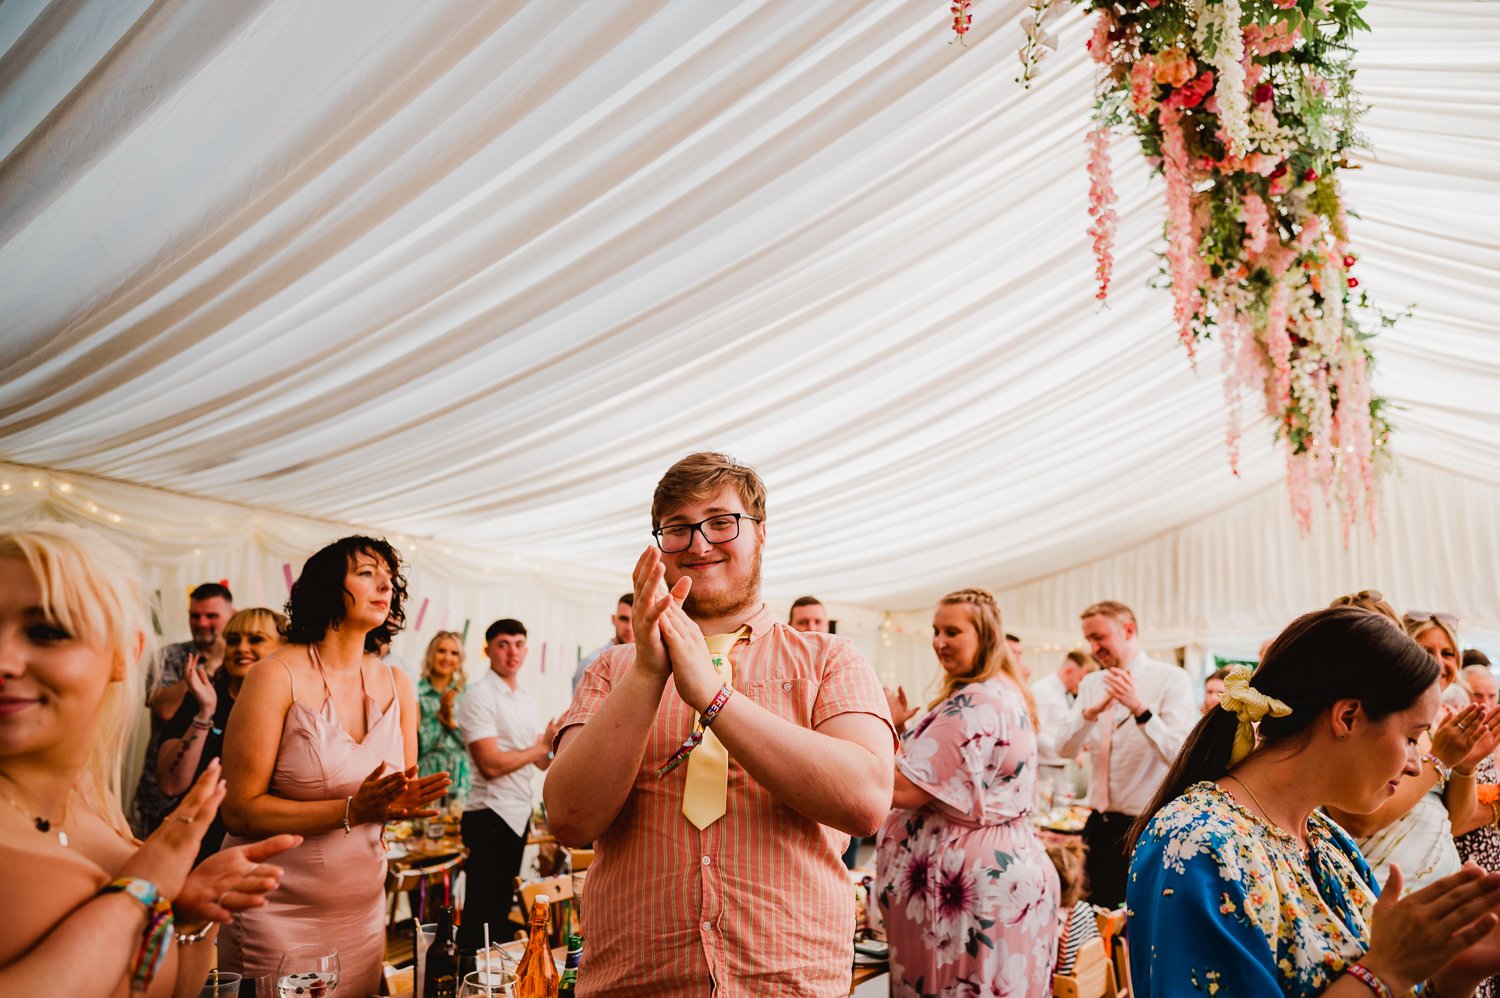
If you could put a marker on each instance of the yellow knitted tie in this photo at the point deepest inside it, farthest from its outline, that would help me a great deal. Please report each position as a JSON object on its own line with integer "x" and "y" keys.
{"x": 704, "y": 794}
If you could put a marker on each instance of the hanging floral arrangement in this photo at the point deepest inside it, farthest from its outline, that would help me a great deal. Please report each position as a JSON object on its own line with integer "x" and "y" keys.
{"x": 1247, "y": 110}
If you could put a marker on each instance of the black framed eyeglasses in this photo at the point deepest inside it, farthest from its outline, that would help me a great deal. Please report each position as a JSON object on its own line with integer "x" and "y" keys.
{"x": 720, "y": 529}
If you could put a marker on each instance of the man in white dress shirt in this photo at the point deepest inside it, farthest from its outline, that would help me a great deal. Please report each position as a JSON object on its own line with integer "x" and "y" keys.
{"x": 1054, "y": 696}
{"x": 508, "y": 743}
{"x": 1133, "y": 715}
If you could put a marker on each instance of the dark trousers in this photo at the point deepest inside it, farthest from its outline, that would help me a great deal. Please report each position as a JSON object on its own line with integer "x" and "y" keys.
{"x": 1107, "y": 863}
{"x": 489, "y": 875}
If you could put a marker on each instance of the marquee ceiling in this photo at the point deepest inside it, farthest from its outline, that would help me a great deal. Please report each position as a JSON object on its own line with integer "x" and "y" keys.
{"x": 481, "y": 271}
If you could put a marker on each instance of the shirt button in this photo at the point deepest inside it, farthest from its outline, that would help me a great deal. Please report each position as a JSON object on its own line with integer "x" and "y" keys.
{"x": 705, "y": 860}
{"x": 708, "y": 926}
{"x": 787, "y": 687}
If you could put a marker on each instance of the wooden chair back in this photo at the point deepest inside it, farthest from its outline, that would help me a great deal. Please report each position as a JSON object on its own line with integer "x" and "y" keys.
{"x": 580, "y": 859}
{"x": 559, "y": 892}
{"x": 1112, "y": 928}
{"x": 1092, "y": 975}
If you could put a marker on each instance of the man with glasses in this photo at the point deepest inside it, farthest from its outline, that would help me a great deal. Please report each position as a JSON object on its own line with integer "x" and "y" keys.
{"x": 718, "y": 866}
{"x": 621, "y": 622}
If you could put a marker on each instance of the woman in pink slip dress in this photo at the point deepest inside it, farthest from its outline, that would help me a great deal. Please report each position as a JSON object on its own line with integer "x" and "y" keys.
{"x": 323, "y": 741}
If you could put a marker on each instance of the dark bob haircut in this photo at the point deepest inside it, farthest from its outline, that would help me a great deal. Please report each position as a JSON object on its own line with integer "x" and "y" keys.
{"x": 317, "y": 600}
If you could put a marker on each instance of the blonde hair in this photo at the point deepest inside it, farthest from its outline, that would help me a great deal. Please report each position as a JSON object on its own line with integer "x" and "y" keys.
{"x": 1416, "y": 628}
{"x": 258, "y": 619}
{"x": 429, "y": 657}
{"x": 701, "y": 475}
{"x": 1112, "y": 609}
{"x": 92, "y": 590}
{"x": 1083, "y": 659}
{"x": 993, "y": 657}
{"x": 1369, "y": 599}
{"x": 1068, "y": 858}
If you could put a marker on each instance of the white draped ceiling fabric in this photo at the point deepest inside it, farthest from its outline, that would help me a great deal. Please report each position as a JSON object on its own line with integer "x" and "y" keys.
{"x": 476, "y": 273}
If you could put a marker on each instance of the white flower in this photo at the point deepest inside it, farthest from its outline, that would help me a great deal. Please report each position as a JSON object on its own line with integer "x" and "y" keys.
{"x": 1017, "y": 891}
{"x": 918, "y": 754}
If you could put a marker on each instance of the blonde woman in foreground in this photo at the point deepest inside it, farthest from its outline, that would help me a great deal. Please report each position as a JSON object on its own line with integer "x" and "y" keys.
{"x": 90, "y": 911}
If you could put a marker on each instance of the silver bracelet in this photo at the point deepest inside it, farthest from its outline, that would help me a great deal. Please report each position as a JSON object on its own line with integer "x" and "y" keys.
{"x": 189, "y": 938}
{"x": 348, "y": 803}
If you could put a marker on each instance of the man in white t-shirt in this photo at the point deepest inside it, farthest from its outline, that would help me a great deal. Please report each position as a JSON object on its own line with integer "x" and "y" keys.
{"x": 508, "y": 743}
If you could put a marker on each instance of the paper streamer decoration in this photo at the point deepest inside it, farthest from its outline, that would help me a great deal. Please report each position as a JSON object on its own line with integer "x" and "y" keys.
{"x": 155, "y": 614}
{"x": 544, "y": 658}
{"x": 286, "y": 570}
{"x": 466, "y": 630}
{"x": 421, "y": 614}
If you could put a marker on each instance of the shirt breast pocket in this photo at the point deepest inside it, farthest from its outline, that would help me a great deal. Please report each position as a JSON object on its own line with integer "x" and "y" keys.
{"x": 788, "y": 698}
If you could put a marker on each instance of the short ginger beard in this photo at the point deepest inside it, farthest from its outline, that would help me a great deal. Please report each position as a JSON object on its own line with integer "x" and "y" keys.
{"x": 703, "y": 606}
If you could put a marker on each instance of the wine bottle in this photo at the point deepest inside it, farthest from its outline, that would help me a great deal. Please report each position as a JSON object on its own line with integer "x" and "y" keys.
{"x": 536, "y": 975}
{"x": 441, "y": 978}
{"x": 569, "y": 983}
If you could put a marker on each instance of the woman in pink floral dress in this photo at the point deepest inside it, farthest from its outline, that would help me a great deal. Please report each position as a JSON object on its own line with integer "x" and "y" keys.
{"x": 968, "y": 894}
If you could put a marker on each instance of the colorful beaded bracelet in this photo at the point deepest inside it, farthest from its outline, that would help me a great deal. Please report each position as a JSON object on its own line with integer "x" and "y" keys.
{"x": 153, "y": 949}
{"x": 693, "y": 740}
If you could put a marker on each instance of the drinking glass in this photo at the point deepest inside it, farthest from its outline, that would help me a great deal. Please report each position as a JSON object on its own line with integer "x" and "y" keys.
{"x": 258, "y": 986}
{"x": 220, "y": 985}
{"x": 580, "y": 880}
{"x": 426, "y": 933}
{"x": 491, "y": 984}
{"x": 308, "y": 972}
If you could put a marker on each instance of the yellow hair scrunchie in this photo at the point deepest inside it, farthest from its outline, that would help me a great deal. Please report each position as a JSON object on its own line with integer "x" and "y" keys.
{"x": 1249, "y": 705}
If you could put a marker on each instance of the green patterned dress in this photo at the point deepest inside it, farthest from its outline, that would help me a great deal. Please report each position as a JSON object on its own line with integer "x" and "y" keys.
{"x": 441, "y": 748}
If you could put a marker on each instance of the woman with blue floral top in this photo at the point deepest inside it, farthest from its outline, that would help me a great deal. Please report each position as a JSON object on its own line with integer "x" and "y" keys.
{"x": 1240, "y": 886}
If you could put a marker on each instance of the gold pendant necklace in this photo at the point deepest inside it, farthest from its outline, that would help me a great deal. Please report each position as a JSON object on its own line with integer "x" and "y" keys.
{"x": 42, "y": 824}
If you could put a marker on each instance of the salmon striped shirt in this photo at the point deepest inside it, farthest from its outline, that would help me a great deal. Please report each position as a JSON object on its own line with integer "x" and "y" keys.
{"x": 756, "y": 905}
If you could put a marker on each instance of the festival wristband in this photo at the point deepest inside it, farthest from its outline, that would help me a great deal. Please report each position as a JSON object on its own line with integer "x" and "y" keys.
{"x": 1369, "y": 980}
{"x": 693, "y": 740}
{"x": 153, "y": 948}
{"x": 1443, "y": 771}
{"x": 715, "y": 705}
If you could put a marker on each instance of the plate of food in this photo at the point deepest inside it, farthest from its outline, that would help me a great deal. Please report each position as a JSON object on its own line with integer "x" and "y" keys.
{"x": 869, "y": 951}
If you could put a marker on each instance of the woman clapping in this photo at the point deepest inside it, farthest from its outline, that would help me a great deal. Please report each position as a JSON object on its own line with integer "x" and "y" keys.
{"x": 89, "y": 910}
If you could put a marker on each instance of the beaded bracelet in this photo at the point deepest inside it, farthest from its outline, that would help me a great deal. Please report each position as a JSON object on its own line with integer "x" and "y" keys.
{"x": 1369, "y": 980}
{"x": 153, "y": 949}
{"x": 1443, "y": 771}
{"x": 693, "y": 740}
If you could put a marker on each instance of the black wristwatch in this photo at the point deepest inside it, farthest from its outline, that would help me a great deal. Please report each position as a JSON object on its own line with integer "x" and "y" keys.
{"x": 1143, "y": 716}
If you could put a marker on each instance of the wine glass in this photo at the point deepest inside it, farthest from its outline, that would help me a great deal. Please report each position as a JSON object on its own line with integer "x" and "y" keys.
{"x": 492, "y": 984}
{"x": 308, "y": 972}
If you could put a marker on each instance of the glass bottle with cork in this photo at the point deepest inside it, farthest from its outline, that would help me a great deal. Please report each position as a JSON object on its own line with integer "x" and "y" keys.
{"x": 536, "y": 976}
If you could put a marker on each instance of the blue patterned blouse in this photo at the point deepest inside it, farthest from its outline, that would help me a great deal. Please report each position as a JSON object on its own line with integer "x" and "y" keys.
{"x": 1222, "y": 903}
